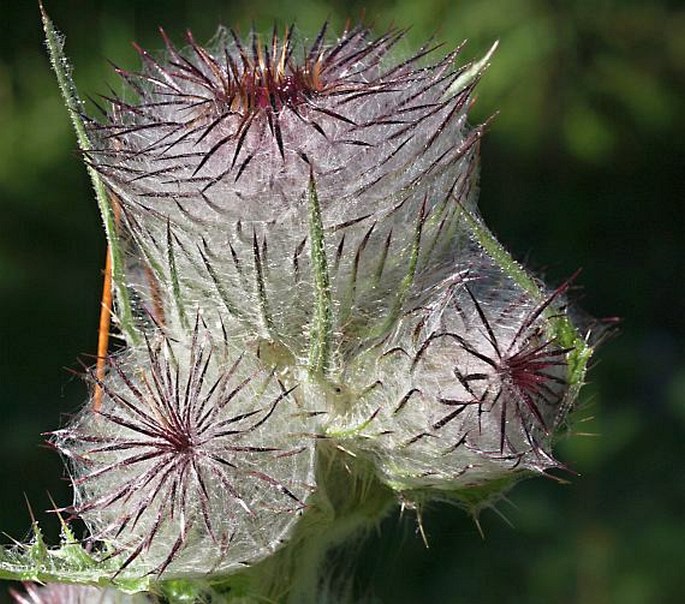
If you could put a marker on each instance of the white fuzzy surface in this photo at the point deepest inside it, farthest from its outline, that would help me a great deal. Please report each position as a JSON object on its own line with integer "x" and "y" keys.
{"x": 382, "y": 140}
{"x": 55, "y": 593}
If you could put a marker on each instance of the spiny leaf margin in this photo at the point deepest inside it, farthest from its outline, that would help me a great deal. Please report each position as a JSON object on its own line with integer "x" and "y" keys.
{"x": 54, "y": 41}
{"x": 68, "y": 563}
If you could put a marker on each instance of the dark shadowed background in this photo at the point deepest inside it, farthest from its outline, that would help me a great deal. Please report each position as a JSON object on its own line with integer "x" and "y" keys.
{"x": 583, "y": 167}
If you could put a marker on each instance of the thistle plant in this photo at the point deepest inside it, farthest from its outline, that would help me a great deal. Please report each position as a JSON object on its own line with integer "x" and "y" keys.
{"x": 317, "y": 327}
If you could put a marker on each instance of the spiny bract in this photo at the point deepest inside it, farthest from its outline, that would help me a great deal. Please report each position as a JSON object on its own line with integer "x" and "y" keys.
{"x": 195, "y": 460}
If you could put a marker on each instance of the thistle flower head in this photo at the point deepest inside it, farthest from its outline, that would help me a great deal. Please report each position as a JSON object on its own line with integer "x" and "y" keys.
{"x": 192, "y": 463}
{"x": 468, "y": 388}
{"x": 215, "y": 162}
{"x": 242, "y": 123}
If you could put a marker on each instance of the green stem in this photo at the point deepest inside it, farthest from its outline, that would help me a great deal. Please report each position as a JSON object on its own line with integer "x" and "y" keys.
{"x": 349, "y": 501}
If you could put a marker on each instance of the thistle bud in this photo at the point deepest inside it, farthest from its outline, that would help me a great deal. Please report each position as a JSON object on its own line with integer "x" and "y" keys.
{"x": 468, "y": 389}
{"x": 195, "y": 461}
{"x": 216, "y": 160}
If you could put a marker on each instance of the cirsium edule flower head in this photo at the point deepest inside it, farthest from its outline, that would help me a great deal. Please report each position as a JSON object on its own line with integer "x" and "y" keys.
{"x": 469, "y": 388}
{"x": 216, "y": 160}
{"x": 195, "y": 461}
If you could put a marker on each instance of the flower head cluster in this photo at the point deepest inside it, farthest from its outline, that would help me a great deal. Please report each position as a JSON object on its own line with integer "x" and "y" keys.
{"x": 300, "y": 252}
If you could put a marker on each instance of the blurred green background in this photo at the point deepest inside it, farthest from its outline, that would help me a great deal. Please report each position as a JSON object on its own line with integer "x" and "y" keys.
{"x": 583, "y": 167}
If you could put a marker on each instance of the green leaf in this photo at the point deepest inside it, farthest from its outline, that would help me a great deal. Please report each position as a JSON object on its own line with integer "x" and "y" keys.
{"x": 69, "y": 563}
{"x": 63, "y": 70}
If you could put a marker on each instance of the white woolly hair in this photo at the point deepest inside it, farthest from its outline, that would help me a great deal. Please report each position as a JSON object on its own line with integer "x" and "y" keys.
{"x": 56, "y": 593}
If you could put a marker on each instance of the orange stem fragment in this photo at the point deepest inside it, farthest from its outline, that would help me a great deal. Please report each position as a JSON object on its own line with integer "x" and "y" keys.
{"x": 105, "y": 316}
{"x": 103, "y": 331}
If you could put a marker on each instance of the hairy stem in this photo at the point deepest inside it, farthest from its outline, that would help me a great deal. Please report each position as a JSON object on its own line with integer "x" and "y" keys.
{"x": 348, "y": 502}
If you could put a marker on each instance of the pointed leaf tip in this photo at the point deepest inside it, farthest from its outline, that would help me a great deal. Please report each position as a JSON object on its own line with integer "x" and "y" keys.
{"x": 63, "y": 71}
